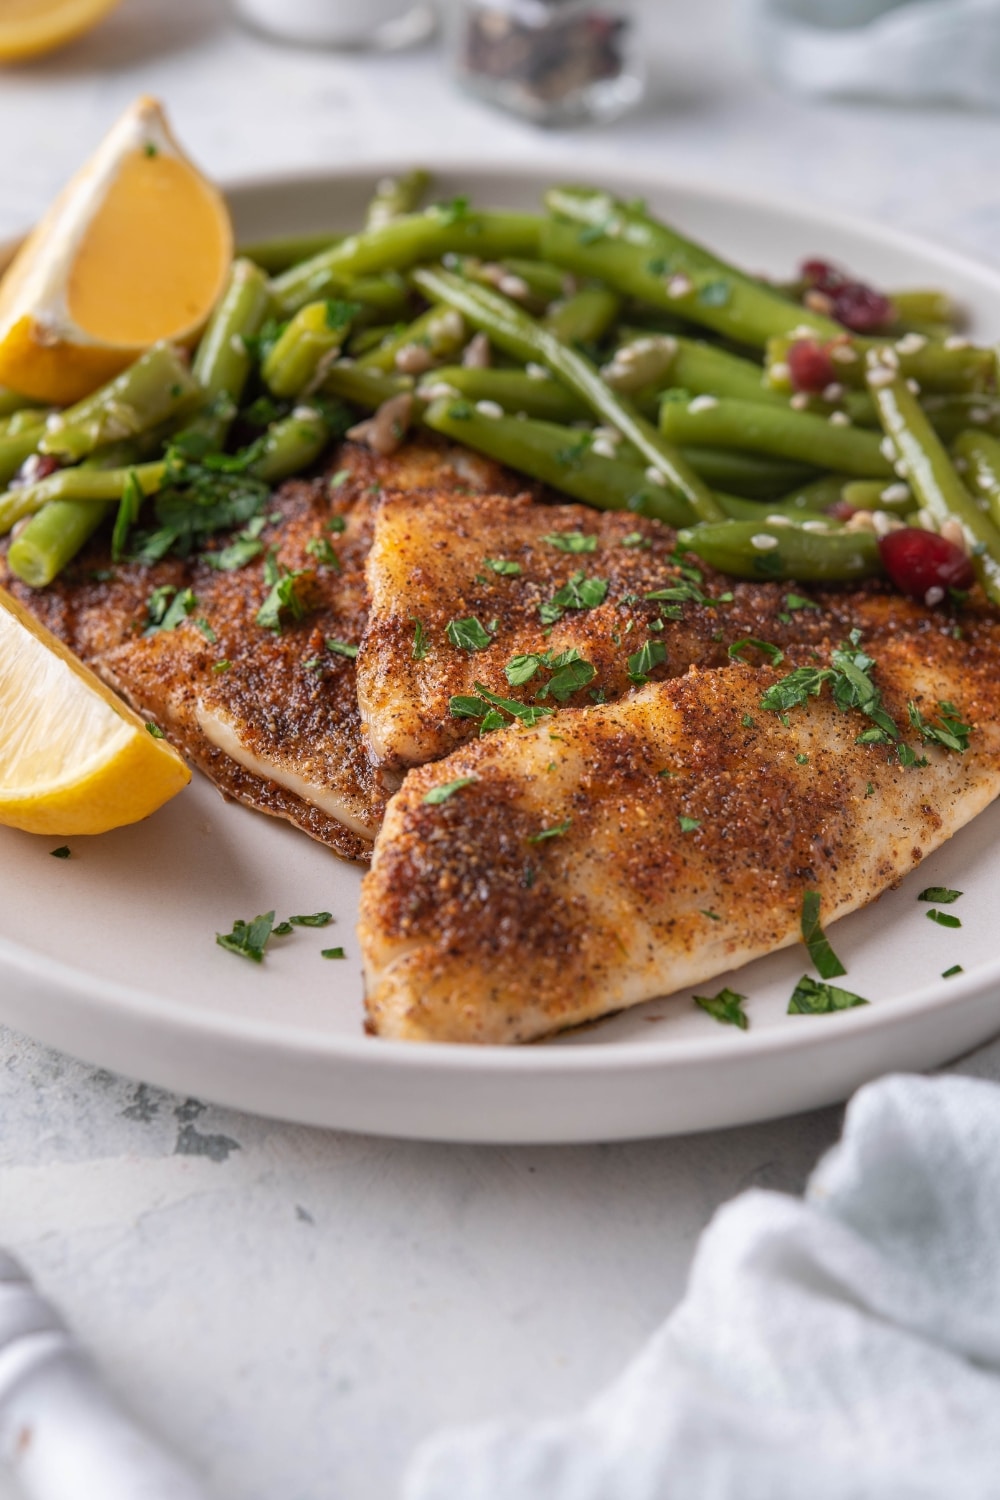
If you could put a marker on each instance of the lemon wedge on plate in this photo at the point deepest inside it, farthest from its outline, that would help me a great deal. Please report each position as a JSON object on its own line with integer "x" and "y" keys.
{"x": 28, "y": 27}
{"x": 135, "y": 249}
{"x": 73, "y": 758}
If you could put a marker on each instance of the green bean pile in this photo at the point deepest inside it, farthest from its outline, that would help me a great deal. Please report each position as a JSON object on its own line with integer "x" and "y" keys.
{"x": 591, "y": 347}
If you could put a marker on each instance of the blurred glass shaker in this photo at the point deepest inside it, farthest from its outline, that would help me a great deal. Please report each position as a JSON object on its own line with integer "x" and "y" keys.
{"x": 554, "y": 62}
{"x": 352, "y": 24}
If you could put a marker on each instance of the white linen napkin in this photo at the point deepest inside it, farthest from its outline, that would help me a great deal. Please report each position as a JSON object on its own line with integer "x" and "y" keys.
{"x": 915, "y": 50}
{"x": 844, "y": 1346}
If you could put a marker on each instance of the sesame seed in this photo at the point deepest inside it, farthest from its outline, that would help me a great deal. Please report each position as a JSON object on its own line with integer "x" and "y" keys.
{"x": 833, "y": 392}
{"x": 536, "y": 372}
{"x": 934, "y": 595}
{"x": 611, "y": 434}
{"x": 896, "y": 492}
{"x": 861, "y": 520}
{"x": 822, "y": 526}
{"x": 452, "y": 324}
{"x": 761, "y": 541}
{"x": 438, "y": 390}
{"x": 883, "y": 521}
{"x": 679, "y": 285}
{"x": 489, "y": 409}
{"x": 887, "y": 448}
{"x": 839, "y": 419}
{"x": 956, "y": 341}
{"x": 844, "y": 354}
{"x": 800, "y": 401}
{"x": 513, "y": 286}
{"x": 703, "y": 403}
{"x": 913, "y": 386}
{"x": 879, "y": 376}
{"x": 238, "y": 344}
{"x": 603, "y": 448}
{"x": 803, "y": 331}
{"x": 901, "y": 468}
{"x": 911, "y": 343}
{"x": 780, "y": 372}
{"x": 655, "y": 477}
{"x": 778, "y": 520}
{"x": 979, "y": 415}
{"x": 954, "y": 532}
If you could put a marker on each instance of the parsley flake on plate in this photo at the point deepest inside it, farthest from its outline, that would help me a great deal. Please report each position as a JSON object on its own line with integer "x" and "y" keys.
{"x": 315, "y": 919}
{"x": 813, "y": 998}
{"x": 943, "y": 918}
{"x": 248, "y": 939}
{"x": 332, "y": 953}
{"x": 726, "y": 1006}
{"x": 941, "y": 895}
{"x": 63, "y": 852}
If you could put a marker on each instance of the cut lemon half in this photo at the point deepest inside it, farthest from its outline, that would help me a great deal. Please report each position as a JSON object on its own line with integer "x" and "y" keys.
{"x": 73, "y": 757}
{"x": 135, "y": 249}
{"x": 28, "y": 27}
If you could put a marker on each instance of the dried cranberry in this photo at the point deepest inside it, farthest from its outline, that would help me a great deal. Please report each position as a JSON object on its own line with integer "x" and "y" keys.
{"x": 841, "y": 510}
{"x": 810, "y": 365}
{"x": 821, "y": 275}
{"x": 37, "y": 466}
{"x": 861, "y": 309}
{"x": 920, "y": 561}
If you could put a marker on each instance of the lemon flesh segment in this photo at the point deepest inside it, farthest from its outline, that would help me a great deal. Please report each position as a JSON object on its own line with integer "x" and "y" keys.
{"x": 73, "y": 758}
{"x": 137, "y": 248}
{"x": 28, "y": 27}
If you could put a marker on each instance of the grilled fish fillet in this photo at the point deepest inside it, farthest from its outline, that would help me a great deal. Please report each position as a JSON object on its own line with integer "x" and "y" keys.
{"x": 278, "y": 728}
{"x": 432, "y": 565}
{"x": 558, "y": 884}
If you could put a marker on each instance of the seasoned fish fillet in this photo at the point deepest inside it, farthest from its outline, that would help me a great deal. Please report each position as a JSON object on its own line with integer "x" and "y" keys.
{"x": 278, "y": 727}
{"x": 434, "y": 565}
{"x": 560, "y": 883}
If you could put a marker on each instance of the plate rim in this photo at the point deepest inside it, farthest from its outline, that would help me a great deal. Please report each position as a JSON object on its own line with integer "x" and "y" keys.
{"x": 624, "y": 1056}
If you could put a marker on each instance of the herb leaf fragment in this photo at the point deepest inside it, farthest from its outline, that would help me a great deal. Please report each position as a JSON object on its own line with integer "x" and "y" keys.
{"x": 815, "y": 939}
{"x": 571, "y": 541}
{"x": 943, "y": 918}
{"x": 468, "y": 634}
{"x": 940, "y": 895}
{"x": 439, "y": 794}
{"x": 726, "y": 1006}
{"x": 248, "y": 939}
{"x": 813, "y": 998}
{"x": 642, "y": 662}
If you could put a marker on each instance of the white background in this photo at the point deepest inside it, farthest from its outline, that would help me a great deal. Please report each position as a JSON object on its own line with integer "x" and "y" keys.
{"x": 292, "y": 1309}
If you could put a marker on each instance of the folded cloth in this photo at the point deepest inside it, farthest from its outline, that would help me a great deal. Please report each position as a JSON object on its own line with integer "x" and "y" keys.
{"x": 916, "y": 50}
{"x": 841, "y": 1347}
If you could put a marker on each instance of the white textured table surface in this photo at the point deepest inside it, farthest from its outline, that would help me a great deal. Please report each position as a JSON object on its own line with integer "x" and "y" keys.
{"x": 292, "y": 1309}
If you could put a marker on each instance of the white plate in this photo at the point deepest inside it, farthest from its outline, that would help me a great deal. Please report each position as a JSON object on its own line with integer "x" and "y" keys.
{"x": 111, "y": 955}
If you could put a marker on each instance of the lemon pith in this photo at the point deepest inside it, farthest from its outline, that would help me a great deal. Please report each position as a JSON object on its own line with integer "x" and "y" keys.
{"x": 73, "y": 758}
{"x": 28, "y": 27}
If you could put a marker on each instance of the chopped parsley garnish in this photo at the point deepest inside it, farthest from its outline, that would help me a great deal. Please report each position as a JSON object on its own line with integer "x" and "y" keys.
{"x": 332, "y": 953}
{"x": 283, "y": 600}
{"x": 503, "y": 566}
{"x": 63, "y": 852}
{"x": 316, "y": 919}
{"x": 468, "y": 635}
{"x": 282, "y": 929}
{"x": 949, "y": 730}
{"x": 248, "y": 939}
{"x": 812, "y": 998}
{"x": 713, "y": 916}
{"x": 941, "y": 895}
{"x": 688, "y": 825}
{"x": 155, "y": 731}
{"x": 636, "y": 539}
{"x": 242, "y": 550}
{"x": 569, "y": 672}
{"x": 465, "y": 706}
{"x": 748, "y": 721}
{"x": 555, "y": 832}
{"x": 571, "y": 541}
{"x": 774, "y": 654}
{"x": 943, "y": 918}
{"x": 448, "y": 789}
{"x": 166, "y": 608}
{"x": 341, "y": 648}
{"x": 726, "y": 1006}
{"x": 222, "y": 666}
{"x": 319, "y": 548}
{"x": 339, "y": 314}
{"x": 869, "y": 790}
{"x": 802, "y": 759}
{"x": 578, "y": 592}
{"x": 420, "y": 648}
{"x": 336, "y": 524}
{"x": 453, "y": 211}
{"x": 686, "y": 591}
{"x": 950, "y": 973}
{"x": 642, "y": 662}
{"x": 714, "y": 293}
{"x": 337, "y": 480}
{"x": 799, "y": 601}
{"x": 815, "y": 939}
{"x": 202, "y": 624}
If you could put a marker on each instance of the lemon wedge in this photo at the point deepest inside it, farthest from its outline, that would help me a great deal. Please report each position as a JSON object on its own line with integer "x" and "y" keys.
{"x": 73, "y": 758}
{"x": 135, "y": 249}
{"x": 28, "y": 27}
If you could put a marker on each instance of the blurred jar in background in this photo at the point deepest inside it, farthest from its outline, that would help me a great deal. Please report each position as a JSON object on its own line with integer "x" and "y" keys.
{"x": 353, "y": 24}
{"x": 554, "y": 62}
